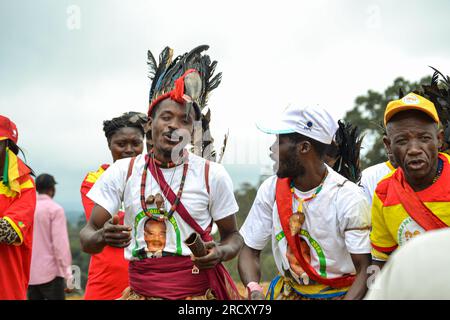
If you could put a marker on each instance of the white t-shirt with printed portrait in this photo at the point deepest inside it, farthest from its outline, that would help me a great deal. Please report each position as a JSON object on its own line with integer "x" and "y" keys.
{"x": 111, "y": 189}
{"x": 332, "y": 220}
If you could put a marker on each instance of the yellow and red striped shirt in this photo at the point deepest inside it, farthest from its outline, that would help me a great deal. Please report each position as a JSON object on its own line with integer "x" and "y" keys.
{"x": 392, "y": 226}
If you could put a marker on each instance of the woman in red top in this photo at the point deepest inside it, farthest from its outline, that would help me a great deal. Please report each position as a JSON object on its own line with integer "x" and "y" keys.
{"x": 17, "y": 204}
{"x": 108, "y": 270}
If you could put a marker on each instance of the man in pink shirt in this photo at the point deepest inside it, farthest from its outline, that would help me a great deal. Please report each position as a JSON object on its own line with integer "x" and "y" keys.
{"x": 51, "y": 258}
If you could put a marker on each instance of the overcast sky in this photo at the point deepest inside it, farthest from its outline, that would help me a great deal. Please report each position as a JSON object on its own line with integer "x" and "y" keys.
{"x": 65, "y": 66}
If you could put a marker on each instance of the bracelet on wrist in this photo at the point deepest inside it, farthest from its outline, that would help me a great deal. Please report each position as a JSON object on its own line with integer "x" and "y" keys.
{"x": 254, "y": 286}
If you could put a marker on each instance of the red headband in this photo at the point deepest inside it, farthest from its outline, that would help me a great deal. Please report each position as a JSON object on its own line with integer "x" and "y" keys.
{"x": 177, "y": 94}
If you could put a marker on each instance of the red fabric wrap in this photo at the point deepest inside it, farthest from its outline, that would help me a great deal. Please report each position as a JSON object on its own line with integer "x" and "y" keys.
{"x": 176, "y": 94}
{"x": 413, "y": 205}
{"x": 167, "y": 277}
{"x": 284, "y": 205}
{"x": 218, "y": 277}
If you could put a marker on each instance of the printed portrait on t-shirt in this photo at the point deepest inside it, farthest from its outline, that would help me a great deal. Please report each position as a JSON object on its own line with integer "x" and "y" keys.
{"x": 293, "y": 262}
{"x": 150, "y": 237}
{"x": 155, "y": 236}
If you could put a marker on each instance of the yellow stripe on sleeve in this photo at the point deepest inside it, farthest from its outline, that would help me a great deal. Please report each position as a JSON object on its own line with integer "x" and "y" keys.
{"x": 378, "y": 255}
{"x": 93, "y": 176}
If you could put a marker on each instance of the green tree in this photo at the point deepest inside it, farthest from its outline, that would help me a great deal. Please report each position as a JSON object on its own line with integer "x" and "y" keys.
{"x": 368, "y": 114}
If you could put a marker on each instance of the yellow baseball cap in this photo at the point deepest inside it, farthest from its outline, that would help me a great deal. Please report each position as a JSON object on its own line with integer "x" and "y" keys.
{"x": 411, "y": 101}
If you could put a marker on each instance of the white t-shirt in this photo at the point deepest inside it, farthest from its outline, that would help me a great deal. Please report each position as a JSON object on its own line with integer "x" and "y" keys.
{"x": 334, "y": 210}
{"x": 111, "y": 189}
{"x": 371, "y": 176}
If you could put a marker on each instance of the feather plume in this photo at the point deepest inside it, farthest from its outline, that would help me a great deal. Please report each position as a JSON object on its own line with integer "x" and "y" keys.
{"x": 222, "y": 151}
{"x": 438, "y": 92}
{"x": 165, "y": 58}
{"x": 152, "y": 65}
{"x": 207, "y": 143}
{"x": 193, "y": 88}
{"x": 434, "y": 79}
{"x": 349, "y": 142}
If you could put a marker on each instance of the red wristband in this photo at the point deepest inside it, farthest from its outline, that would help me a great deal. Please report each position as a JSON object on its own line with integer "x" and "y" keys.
{"x": 254, "y": 286}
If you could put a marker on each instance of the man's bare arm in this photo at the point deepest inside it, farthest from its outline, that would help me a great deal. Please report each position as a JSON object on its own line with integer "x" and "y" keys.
{"x": 228, "y": 247}
{"x": 359, "y": 286}
{"x": 102, "y": 230}
{"x": 250, "y": 269}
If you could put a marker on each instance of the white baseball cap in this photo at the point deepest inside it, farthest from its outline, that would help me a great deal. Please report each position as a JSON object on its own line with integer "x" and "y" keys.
{"x": 313, "y": 122}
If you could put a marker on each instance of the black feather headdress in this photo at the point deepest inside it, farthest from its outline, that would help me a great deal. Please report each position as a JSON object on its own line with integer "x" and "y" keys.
{"x": 438, "y": 92}
{"x": 187, "y": 79}
{"x": 348, "y": 142}
{"x": 165, "y": 74}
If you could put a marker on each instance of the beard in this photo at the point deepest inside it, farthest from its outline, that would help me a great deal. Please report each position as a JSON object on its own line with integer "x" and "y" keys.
{"x": 167, "y": 152}
{"x": 290, "y": 168}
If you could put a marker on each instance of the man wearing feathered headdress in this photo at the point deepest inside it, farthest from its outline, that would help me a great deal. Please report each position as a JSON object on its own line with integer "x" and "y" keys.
{"x": 174, "y": 187}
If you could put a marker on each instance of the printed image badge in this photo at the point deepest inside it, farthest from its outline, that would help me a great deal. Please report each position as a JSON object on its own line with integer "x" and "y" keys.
{"x": 150, "y": 231}
{"x": 155, "y": 237}
{"x": 408, "y": 229}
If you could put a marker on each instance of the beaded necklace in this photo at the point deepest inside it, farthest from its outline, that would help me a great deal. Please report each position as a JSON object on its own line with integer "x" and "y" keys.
{"x": 440, "y": 167}
{"x": 152, "y": 161}
{"x": 298, "y": 218}
{"x": 167, "y": 165}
